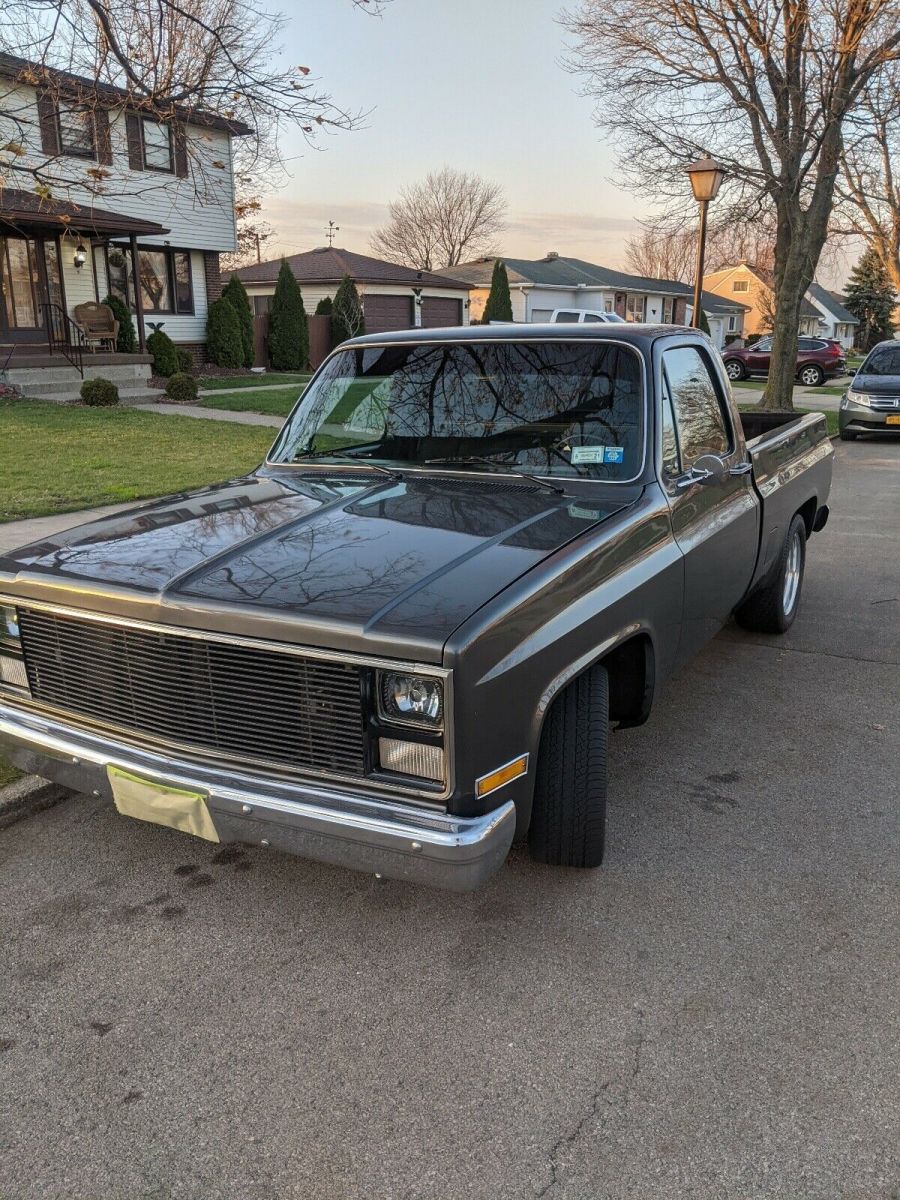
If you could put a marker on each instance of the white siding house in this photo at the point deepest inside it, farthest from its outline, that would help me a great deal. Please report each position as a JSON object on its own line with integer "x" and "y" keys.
{"x": 127, "y": 199}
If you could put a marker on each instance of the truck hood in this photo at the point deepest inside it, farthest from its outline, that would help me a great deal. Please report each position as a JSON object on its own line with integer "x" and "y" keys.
{"x": 323, "y": 559}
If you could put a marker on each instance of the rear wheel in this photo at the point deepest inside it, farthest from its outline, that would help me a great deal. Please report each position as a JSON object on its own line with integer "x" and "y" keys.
{"x": 772, "y": 607}
{"x": 568, "y": 821}
{"x": 812, "y": 375}
{"x": 735, "y": 369}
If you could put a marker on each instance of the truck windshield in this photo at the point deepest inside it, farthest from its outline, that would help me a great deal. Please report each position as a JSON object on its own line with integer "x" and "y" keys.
{"x": 570, "y": 409}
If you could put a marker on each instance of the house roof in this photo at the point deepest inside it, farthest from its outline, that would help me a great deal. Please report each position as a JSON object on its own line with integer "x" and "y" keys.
{"x": 25, "y": 208}
{"x": 829, "y": 300}
{"x": 34, "y": 73}
{"x": 329, "y": 264}
{"x": 565, "y": 272}
{"x": 713, "y": 303}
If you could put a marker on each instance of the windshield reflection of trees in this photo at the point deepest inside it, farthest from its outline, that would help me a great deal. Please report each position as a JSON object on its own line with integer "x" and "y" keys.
{"x": 526, "y": 403}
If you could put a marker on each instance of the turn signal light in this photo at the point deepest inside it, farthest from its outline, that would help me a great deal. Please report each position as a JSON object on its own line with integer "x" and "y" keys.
{"x": 503, "y": 775}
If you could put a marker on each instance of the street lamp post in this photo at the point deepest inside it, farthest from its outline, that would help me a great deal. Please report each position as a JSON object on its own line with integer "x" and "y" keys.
{"x": 706, "y": 177}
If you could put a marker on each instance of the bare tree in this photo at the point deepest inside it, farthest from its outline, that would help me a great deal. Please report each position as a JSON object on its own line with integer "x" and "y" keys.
{"x": 766, "y": 86}
{"x": 253, "y": 233}
{"x": 667, "y": 249}
{"x": 447, "y": 217}
{"x": 661, "y": 252}
{"x": 869, "y": 184}
{"x": 176, "y": 61}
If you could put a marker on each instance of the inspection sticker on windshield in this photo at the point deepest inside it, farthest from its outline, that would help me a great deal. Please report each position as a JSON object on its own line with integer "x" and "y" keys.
{"x": 597, "y": 454}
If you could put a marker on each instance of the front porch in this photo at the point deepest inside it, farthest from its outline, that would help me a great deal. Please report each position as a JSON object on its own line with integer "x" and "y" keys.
{"x": 36, "y": 372}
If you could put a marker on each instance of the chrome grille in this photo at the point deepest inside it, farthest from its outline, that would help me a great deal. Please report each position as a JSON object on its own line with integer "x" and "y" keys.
{"x": 884, "y": 403}
{"x": 244, "y": 702}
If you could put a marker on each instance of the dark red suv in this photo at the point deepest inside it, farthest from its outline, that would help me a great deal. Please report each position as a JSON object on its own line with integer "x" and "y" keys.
{"x": 818, "y": 359}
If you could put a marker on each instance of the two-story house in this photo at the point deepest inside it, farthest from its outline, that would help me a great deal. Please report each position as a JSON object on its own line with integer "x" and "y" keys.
{"x": 821, "y": 315}
{"x": 121, "y": 203}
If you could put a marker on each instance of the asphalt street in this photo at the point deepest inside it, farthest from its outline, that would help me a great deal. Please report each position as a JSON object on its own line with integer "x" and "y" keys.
{"x": 711, "y": 1015}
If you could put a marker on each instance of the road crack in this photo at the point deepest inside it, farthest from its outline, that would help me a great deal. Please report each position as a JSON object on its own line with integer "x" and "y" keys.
{"x": 570, "y": 1138}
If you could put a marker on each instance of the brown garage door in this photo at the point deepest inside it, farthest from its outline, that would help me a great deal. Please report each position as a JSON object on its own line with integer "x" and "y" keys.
{"x": 384, "y": 313}
{"x": 438, "y": 311}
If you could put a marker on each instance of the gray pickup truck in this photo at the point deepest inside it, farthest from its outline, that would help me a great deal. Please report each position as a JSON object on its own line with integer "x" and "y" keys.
{"x": 402, "y": 641}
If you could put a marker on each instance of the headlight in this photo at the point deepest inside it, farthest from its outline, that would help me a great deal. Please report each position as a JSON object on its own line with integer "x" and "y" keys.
{"x": 411, "y": 699}
{"x": 859, "y": 398}
{"x": 9, "y": 623}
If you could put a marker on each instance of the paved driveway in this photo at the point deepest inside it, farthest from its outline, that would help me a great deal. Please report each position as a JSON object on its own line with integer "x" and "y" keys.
{"x": 713, "y": 1015}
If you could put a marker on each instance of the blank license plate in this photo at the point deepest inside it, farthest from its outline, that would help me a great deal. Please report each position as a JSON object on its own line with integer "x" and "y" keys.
{"x": 147, "y": 800}
{"x": 892, "y": 420}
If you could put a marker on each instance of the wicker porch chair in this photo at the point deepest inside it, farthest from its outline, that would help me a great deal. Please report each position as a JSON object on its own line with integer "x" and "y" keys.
{"x": 97, "y": 323}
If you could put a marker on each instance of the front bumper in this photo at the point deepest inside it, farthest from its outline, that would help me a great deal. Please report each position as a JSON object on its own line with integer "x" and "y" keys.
{"x": 401, "y": 841}
{"x": 859, "y": 418}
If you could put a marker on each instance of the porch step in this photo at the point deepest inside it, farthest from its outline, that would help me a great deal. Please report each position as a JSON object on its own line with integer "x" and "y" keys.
{"x": 127, "y": 395}
{"x": 56, "y": 380}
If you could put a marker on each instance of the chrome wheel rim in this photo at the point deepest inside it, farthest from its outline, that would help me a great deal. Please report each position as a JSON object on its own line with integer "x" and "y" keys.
{"x": 810, "y": 378}
{"x": 733, "y": 372}
{"x": 792, "y": 575}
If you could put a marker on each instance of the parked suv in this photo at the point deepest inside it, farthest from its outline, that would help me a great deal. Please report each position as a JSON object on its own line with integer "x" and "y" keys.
{"x": 818, "y": 359}
{"x": 871, "y": 404}
{"x": 584, "y": 316}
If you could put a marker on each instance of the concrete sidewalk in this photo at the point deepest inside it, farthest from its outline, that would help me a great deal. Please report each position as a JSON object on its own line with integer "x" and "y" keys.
{"x": 212, "y": 414}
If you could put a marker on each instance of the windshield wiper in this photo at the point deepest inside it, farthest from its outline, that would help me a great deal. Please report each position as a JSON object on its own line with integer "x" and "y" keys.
{"x": 490, "y": 462}
{"x": 309, "y": 452}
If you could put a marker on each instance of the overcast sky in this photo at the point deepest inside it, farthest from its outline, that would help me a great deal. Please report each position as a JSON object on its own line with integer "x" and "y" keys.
{"x": 474, "y": 84}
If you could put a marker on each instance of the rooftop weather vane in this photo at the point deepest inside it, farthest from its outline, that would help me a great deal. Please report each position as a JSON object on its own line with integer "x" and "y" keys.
{"x": 331, "y": 231}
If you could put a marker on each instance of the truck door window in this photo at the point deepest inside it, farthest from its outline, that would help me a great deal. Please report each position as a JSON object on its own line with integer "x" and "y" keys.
{"x": 671, "y": 459}
{"x": 700, "y": 419}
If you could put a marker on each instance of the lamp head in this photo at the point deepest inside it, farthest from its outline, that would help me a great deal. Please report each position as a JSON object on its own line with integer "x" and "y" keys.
{"x": 706, "y": 177}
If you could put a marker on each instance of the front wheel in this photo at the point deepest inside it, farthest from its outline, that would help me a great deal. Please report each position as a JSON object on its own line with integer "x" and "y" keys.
{"x": 568, "y": 821}
{"x": 812, "y": 376}
{"x": 772, "y": 607}
{"x": 735, "y": 370}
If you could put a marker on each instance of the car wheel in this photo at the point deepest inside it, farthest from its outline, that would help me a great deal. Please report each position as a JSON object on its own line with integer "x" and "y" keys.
{"x": 812, "y": 375}
{"x": 735, "y": 369}
{"x": 568, "y": 821}
{"x": 773, "y": 606}
{"x": 847, "y": 435}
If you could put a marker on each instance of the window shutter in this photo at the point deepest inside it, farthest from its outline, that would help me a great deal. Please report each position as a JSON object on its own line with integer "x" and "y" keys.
{"x": 179, "y": 137}
{"x": 135, "y": 141}
{"x": 48, "y": 122}
{"x": 103, "y": 140}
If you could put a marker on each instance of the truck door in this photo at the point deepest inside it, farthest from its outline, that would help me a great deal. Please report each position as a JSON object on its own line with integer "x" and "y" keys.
{"x": 716, "y": 524}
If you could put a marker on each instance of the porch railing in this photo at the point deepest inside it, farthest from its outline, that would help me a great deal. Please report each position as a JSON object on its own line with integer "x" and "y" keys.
{"x": 64, "y": 336}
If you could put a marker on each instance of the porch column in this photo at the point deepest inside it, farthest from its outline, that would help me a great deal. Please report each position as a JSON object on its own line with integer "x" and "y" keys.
{"x": 138, "y": 304}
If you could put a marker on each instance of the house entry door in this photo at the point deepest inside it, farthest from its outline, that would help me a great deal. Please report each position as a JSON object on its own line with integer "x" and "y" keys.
{"x": 29, "y": 278}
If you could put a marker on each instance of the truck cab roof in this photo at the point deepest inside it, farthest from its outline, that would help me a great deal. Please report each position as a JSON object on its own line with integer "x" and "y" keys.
{"x": 633, "y": 333}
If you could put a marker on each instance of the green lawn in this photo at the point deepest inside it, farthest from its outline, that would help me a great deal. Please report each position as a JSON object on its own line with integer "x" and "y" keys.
{"x": 275, "y": 402}
{"x": 58, "y": 458}
{"x": 8, "y": 773}
{"x": 220, "y": 383}
{"x": 758, "y": 385}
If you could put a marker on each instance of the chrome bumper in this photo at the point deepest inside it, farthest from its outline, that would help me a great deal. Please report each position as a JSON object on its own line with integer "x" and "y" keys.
{"x": 341, "y": 827}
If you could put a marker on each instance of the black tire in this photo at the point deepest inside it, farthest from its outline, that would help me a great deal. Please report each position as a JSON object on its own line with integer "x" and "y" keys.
{"x": 847, "y": 435}
{"x": 568, "y": 820}
{"x": 773, "y": 606}
{"x": 735, "y": 369}
{"x": 816, "y": 376}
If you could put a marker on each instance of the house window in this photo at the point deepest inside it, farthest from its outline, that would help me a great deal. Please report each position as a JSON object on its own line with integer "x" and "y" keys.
{"x": 634, "y": 308}
{"x": 741, "y": 285}
{"x": 608, "y": 306}
{"x": 732, "y": 324}
{"x": 157, "y": 146}
{"x": 76, "y": 130}
{"x": 668, "y": 306}
{"x": 165, "y": 276}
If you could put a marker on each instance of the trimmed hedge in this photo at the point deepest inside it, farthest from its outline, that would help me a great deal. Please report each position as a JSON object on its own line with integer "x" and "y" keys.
{"x": 288, "y": 328}
{"x": 347, "y": 319}
{"x": 165, "y": 356}
{"x": 182, "y": 387}
{"x": 99, "y": 393}
{"x": 126, "y": 339}
{"x": 185, "y": 360}
{"x": 224, "y": 344}
{"x": 325, "y": 307}
{"x": 236, "y": 295}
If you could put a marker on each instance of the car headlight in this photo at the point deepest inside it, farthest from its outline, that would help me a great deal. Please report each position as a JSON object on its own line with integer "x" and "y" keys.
{"x": 411, "y": 699}
{"x": 859, "y": 398}
{"x": 9, "y": 623}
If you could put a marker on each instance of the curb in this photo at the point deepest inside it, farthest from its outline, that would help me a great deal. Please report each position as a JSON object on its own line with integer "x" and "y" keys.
{"x": 24, "y": 797}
